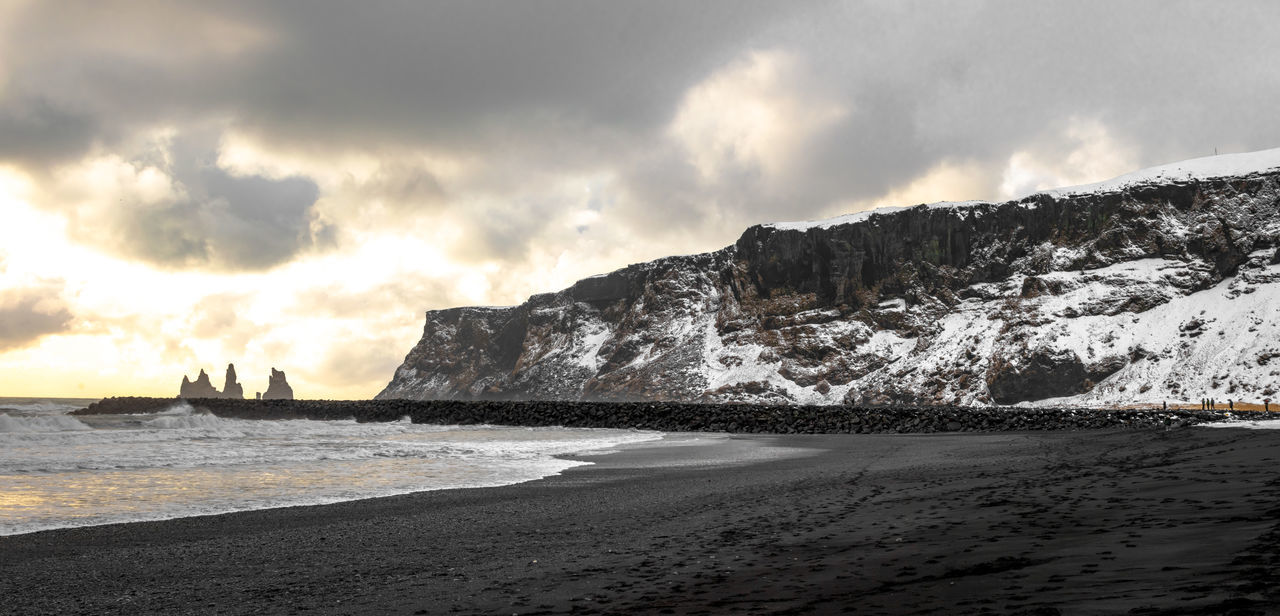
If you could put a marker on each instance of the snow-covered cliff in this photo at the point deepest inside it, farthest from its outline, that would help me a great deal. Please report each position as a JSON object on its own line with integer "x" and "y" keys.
{"x": 1162, "y": 284}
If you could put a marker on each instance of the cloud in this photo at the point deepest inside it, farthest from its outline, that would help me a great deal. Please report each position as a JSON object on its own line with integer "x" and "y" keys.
{"x": 36, "y": 132}
{"x": 174, "y": 207}
{"x": 397, "y": 296}
{"x": 403, "y": 186}
{"x": 366, "y": 362}
{"x": 30, "y": 313}
{"x": 948, "y": 181}
{"x": 221, "y": 317}
{"x": 707, "y": 115}
{"x": 395, "y": 72}
{"x": 754, "y": 114}
{"x": 1084, "y": 151}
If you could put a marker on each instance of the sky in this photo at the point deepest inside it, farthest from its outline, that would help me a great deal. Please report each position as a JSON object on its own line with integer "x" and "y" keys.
{"x": 292, "y": 183}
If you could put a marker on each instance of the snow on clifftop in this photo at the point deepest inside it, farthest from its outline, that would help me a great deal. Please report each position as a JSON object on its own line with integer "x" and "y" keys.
{"x": 1223, "y": 165}
{"x": 860, "y": 216}
{"x": 1208, "y": 167}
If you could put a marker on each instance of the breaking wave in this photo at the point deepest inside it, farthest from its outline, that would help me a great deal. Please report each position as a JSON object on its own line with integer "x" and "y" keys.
{"x": 183, "y": 462}
{"x": 40, "y": 424}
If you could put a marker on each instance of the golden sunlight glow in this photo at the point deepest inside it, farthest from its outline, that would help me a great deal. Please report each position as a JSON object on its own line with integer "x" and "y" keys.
{"x": 750, "y": 113}
{"x": 244, "y": 154}
{"x": 1094, "y": 155}
{"x": 137, "y": 31}
{"x": 948, "y": 181}
{"x": 137, "y": 330}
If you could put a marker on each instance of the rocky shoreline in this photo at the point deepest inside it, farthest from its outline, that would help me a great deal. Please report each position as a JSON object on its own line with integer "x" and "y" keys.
{"x": 679, "y": 417}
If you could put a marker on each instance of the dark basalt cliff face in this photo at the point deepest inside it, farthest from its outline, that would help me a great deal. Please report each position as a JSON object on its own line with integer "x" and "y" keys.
{"x": 1080, "y": 296}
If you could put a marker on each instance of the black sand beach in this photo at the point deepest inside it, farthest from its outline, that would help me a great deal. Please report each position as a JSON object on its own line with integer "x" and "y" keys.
{"x": 1102, "y": 522}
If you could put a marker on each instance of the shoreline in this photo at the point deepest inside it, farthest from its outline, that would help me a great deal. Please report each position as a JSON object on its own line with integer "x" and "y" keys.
{"x": 1083, "y": 522}
{"x": 68, "y": 511}
{"x": 666, "y": 450}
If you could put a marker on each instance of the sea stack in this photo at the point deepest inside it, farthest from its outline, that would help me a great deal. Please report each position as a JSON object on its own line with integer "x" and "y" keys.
{"x": 277, "y": 387}
{"x": 201, "y": 388}
{"x": 230, "y": 388}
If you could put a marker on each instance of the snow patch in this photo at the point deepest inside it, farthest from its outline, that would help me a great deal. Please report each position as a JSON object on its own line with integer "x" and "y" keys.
{"x": 1208, "y": 167}
{"x": 856, "y": 217}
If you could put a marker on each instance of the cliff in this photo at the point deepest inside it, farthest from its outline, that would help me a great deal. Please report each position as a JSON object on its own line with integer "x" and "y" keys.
{"x": 1160, "y": 285}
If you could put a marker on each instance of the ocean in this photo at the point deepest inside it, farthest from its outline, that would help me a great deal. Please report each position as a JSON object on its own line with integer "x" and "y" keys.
{"x": 59, "y": 471}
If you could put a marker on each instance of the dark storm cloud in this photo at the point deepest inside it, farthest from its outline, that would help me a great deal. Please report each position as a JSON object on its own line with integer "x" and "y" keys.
{"x": 214, "y": 219}
{"x": 31, "y": 312}
{"x": 457, "y": 71}
{"x": 544, "y": 88}
{"x": 462, "y": 72}
{"x": 37, "y": 132}
{"x": 384, "y": 72}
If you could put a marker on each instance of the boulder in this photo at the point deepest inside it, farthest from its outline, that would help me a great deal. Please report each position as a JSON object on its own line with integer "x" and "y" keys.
{"x": 1046, "y": 373}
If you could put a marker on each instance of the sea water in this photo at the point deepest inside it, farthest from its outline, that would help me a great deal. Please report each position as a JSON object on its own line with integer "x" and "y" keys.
{"x": 58, "y": 470}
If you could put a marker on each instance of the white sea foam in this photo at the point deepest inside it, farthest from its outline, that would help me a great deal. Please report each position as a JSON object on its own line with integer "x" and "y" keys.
{"x": 1245, "y": 423}
{"x": 41, "y": 406}
{"x": 58, "y": 471}
{"x": 38, "y": 424}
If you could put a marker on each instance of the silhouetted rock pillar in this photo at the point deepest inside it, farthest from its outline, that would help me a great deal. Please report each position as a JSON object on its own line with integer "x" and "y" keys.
{"x": 201, "y": 388}
{"x": 230, "y": 388}
{"x": 277, "y": 387}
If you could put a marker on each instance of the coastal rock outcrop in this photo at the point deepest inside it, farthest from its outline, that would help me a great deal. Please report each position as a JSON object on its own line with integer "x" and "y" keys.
{"x": 231, "y": 388}
{"x": 1074, "y": 296}
{"x": 277, "y": 387}
{"x": 201, "y": 388}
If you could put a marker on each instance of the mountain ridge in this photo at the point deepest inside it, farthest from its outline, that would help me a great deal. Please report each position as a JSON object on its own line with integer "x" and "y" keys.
{"x": 1020, "y": 301}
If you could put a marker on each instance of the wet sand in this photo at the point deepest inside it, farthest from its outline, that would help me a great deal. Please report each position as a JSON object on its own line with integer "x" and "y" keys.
{"x": 1117, "y": 522}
